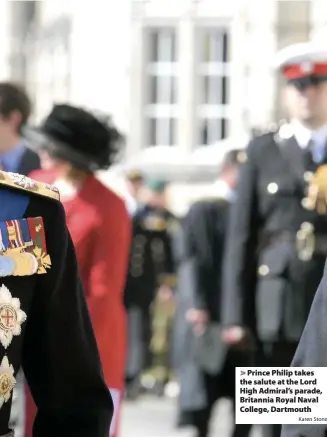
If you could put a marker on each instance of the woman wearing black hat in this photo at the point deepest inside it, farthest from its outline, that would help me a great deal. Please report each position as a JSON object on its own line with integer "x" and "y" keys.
{"x": 78, "y": 144}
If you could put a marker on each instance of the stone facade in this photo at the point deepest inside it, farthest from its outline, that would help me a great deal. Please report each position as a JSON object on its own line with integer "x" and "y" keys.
{"x": 97, "y": 54}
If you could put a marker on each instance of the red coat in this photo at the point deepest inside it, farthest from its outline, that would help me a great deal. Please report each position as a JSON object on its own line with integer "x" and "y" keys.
{"x": 100, "y": 229}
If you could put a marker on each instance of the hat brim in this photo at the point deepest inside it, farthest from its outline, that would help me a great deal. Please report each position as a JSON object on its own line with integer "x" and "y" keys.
{"x": 38, "y": 140}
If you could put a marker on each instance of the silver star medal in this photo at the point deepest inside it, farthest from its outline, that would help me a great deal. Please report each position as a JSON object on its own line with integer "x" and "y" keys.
{"x": 7, "y": 380}
{"x": 11, "y": 317}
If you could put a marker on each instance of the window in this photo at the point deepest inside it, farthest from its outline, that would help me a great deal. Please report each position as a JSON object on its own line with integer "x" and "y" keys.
{"x": 213, "y": 80}
{"x": 53, "y": 64}
{"x": 161, "y": 107}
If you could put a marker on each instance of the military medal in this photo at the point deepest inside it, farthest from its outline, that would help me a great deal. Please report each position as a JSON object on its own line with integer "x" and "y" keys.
{"x": 2, "y": 246}
{"x": 173, "y": 226}
{"x": 37, "y": 233}
{"x": 4, "y": 236}
{"x": 11, "y": 317}
{"x": 14, "y": 240}
{"x": 7, "y": 266}
{"x": 7, "y": 380}
{"x": 34, "y": 265}
{"x": 23, "y": 263}
{"x": 317, "y": 191}
{"x": 23, "y": 250}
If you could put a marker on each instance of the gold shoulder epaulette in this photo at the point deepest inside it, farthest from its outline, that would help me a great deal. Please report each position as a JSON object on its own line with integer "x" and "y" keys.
{"x": 212, "y": 199}
{"x": 20, "y": 182}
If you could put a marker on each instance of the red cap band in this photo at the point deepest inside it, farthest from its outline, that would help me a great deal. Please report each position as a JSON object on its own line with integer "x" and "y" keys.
{"x": 305, "y": 69}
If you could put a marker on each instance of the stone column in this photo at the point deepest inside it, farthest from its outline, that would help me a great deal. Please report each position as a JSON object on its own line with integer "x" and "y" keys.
{"x": 292, "y": 26}
{"x": 187, "y": 84}
{"x": 318, "y": 18}
{"x": 254, "y": 52}
{"x": 22, "y": 14}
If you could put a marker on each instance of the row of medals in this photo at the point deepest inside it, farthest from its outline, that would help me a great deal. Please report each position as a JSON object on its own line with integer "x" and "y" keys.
{"x": 16, "y": 262}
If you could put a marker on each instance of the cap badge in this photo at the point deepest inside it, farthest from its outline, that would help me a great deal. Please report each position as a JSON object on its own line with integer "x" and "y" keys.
{"x": 306, "y": 67}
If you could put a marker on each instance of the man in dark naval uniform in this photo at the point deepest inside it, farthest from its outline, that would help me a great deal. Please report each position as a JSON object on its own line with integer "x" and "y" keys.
{"x": 198, "y": 308}
{"x": 151, "y": 271}
{"x": 15, "y": 156}
{"x": 44, "y": 322}
{"x": 277, "y": 241}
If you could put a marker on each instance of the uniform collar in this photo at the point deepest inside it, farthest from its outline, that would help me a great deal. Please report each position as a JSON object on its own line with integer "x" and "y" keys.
{"x": 303, "y": 135}
{"x": 11, "y": 159}
{"x": 221, "y": 189}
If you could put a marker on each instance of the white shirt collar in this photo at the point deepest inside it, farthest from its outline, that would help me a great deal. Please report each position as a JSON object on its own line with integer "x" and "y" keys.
{"x": 303, "y": 135}
{"x": 131, "y": 204}
{"x": 221, "y": 189}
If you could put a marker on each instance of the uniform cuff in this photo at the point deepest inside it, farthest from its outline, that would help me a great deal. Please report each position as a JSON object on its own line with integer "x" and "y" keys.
{"x": 168, "y": 279}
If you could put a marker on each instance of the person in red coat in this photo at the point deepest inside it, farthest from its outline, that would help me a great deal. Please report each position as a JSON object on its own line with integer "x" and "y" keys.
{"x": 74, "y": 144}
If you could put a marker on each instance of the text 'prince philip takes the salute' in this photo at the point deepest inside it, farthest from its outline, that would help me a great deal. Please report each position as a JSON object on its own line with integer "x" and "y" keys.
{"x": 44, "y": 322}
{"x": 277, "y": 243}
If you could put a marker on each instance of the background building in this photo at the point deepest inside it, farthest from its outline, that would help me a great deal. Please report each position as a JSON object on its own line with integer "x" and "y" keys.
{"x": 178, "y": 76}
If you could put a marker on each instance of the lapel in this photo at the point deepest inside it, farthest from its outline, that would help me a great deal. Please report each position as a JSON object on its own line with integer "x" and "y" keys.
{"x": 324, "y": 160}
{"x": 293, "y": 155}
{"x": 29, "y": 162}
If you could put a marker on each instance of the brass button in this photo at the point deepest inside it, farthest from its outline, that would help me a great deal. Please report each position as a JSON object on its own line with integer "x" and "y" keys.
{"x": 136, "y": 271}
{"x": 307, "y": 204}
{"x": 137, "y": 257}
{"x": 263, "y": 270}
{"x": 157, "y": 245}
{"x": 139, "y": 240}
{"x": 306, "y": 226}
{"x": 307, "y": 176}
{"x": 241, "y": 157}
{"x": 272, "y": 188}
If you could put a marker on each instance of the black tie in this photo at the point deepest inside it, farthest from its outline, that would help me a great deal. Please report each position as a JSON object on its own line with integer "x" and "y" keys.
{"x": 308, "y": 157}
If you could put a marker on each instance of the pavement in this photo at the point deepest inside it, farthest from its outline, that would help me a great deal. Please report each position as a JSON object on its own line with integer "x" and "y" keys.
{"x": 155, "y": 417}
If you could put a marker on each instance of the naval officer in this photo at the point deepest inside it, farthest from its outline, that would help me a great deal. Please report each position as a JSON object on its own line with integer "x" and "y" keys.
{"x": 277, "y": 241}
{"x": 44, "y": 323}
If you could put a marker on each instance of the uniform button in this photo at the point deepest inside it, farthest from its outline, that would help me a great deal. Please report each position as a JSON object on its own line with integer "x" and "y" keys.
{"x": 272, "y": 188}
{"x": 139, "y": 240}
{"x": 241, "y": 157}
{"x": 137, "y": 261}
{"x": 307, "y": 176}
{"x": 136, "y": 271}
{"x": 263, "y": 270}
{"x": 306, "y": 226}
{"x": 157, "y": 245}
{"x": 307, "y": 204}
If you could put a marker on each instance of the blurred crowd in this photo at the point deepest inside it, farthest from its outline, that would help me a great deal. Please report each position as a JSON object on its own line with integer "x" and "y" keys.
{"x": 177, "y": 303}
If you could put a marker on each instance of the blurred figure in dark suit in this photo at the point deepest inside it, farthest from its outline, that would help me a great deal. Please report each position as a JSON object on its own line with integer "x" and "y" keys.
{"x": 206, "y": 371}
{"x": 15, "y": 109}
{"x": 151, "y": 276}
{"x": 15, "y": 157}
{"x": 135, "y": 183}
